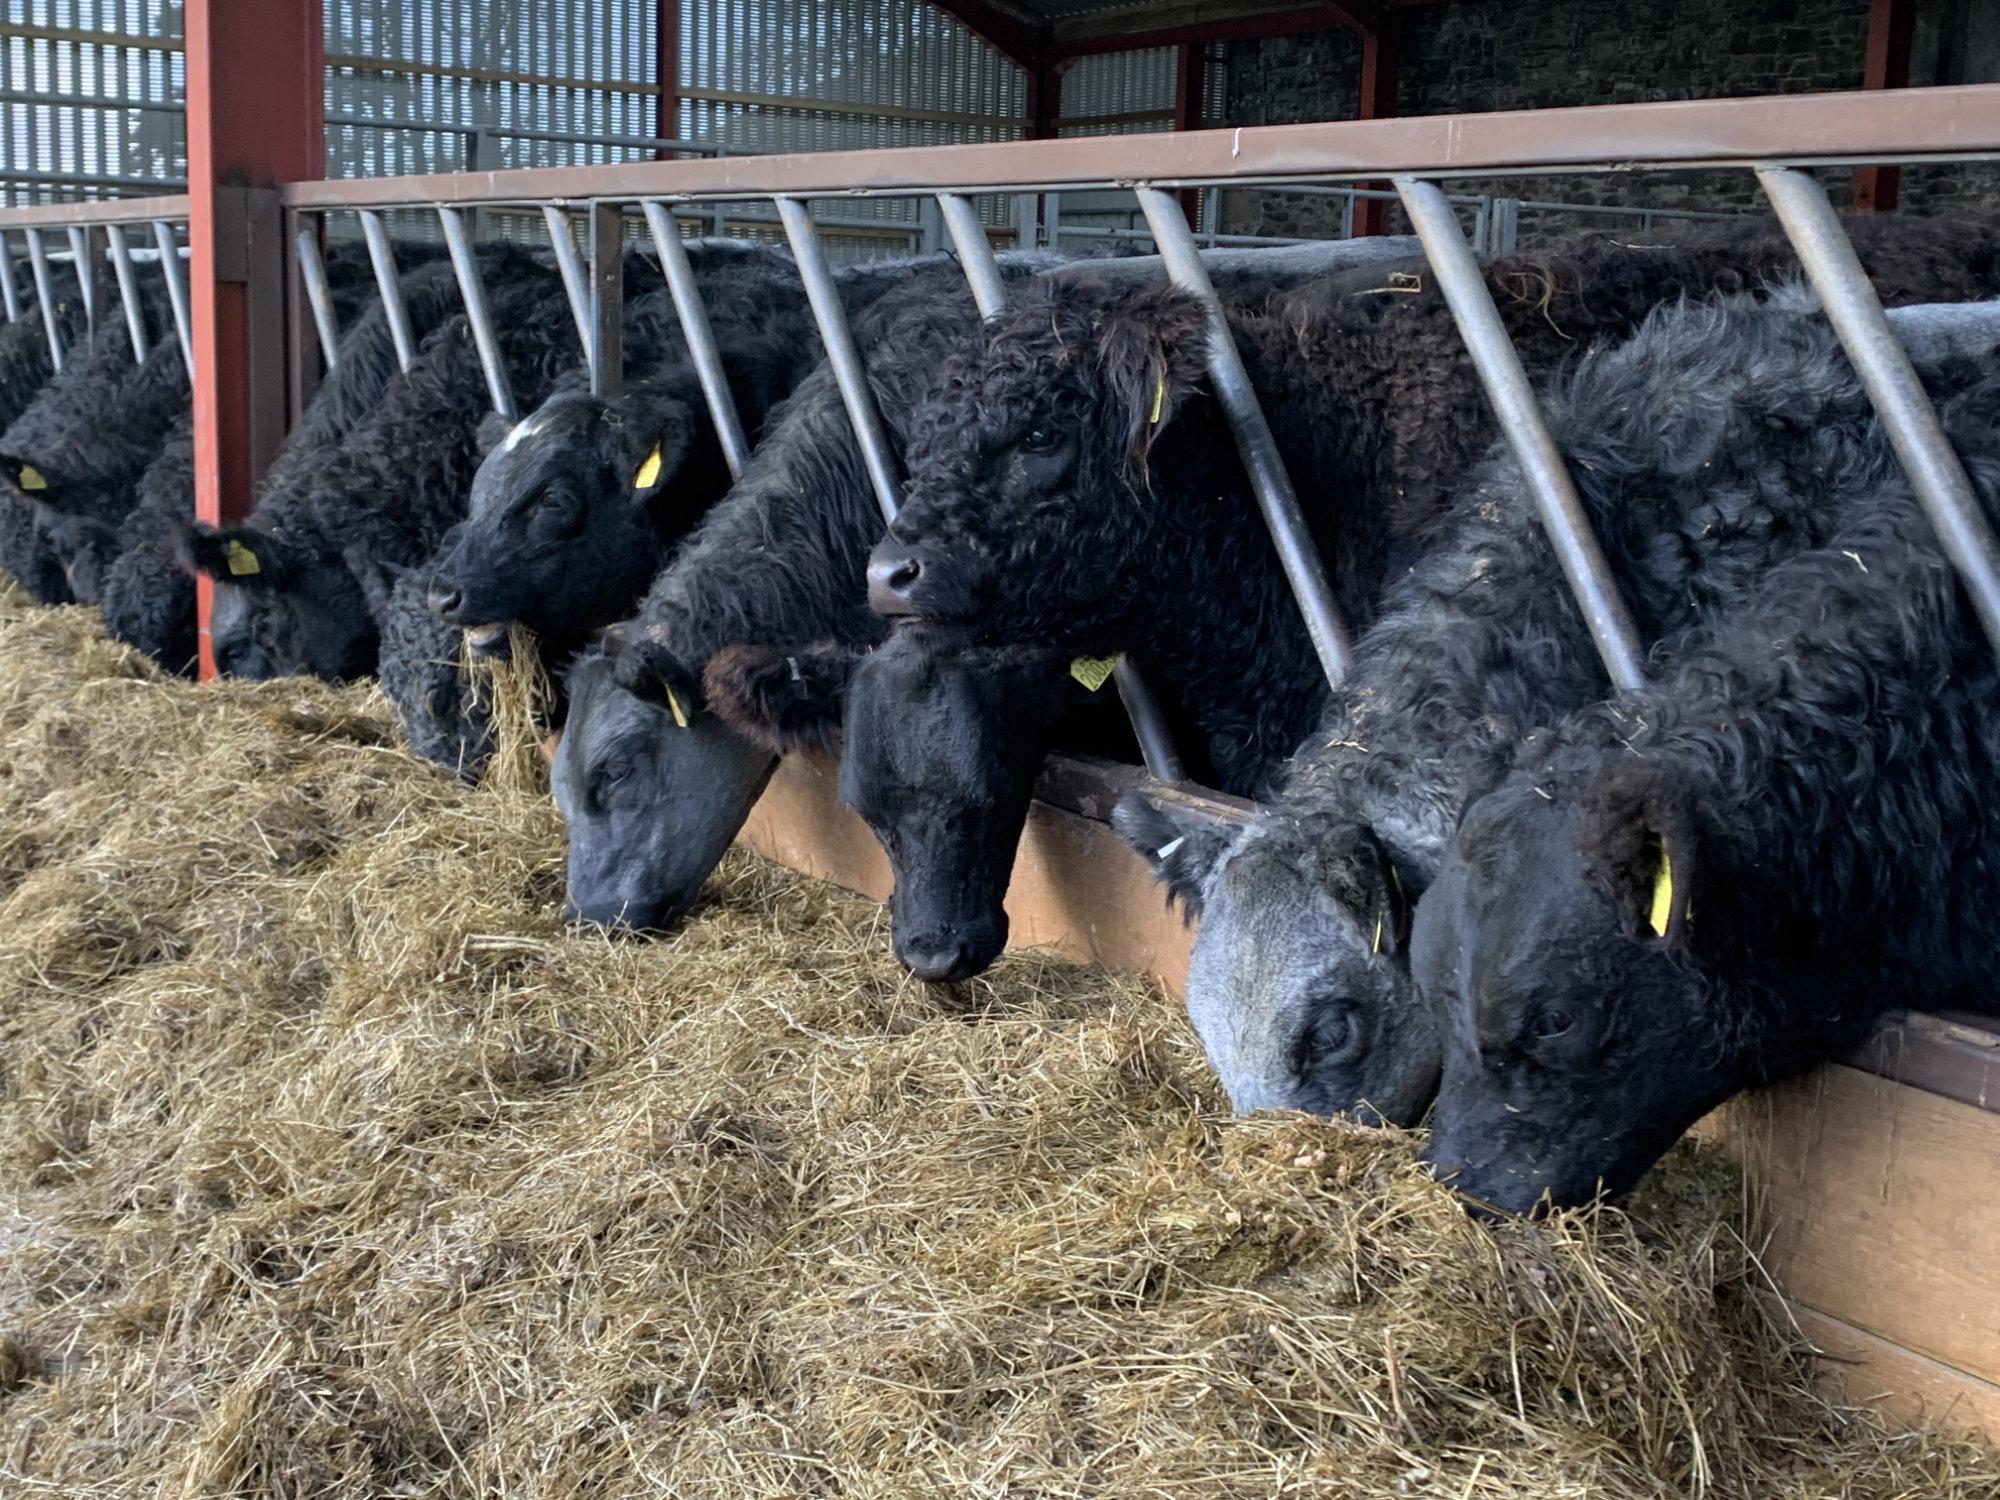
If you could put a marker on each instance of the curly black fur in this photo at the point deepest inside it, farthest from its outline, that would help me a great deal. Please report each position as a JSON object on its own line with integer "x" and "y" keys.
{"x": 1074, "y": 484}
{"x": 1815, "y": 771}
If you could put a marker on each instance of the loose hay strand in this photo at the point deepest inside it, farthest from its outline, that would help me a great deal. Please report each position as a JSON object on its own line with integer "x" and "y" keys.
{"x": 520, "y": 702}
{"x": 331, "y": 1165}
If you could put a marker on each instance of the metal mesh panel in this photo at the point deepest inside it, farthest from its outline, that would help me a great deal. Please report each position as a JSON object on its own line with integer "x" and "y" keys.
{"x": 1119, "y": 93}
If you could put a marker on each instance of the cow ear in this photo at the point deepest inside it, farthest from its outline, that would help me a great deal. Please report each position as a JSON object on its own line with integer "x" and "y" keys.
{"x": 783, "y": 701}
{"x": 1150, "y": 352}
{"x": 1181, "y": 848}
{"x": 1360, "y": 873}
{"x": 378, "y": 578}
{"x": 653, "y": 452}
{"x": 29, "y": 479}
{"x": 240, "y": 555}
{"x": 1643, "y": 834}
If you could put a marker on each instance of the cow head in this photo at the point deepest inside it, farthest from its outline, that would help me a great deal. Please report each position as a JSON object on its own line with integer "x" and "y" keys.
{"x": 941, "y": 742}
{"x": 1032, "y": 465}
{"x": 442, "y": 716}
{"x": 1579, "y": 1037}
{"x": 651, "y": 787}
{"x": 281, "y": 606}
{"x": 1297, "y": 984}
{"x": 565, "y": 525}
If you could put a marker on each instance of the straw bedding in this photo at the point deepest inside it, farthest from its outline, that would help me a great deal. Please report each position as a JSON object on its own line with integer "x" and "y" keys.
{"x": 330, "y": 1165}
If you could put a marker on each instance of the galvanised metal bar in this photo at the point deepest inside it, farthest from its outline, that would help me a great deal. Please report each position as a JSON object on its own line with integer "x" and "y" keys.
{"x": 1906, "y": 125}
{"x": 38, "y": 258}
{"x": 848, "y": 371}
{"x": 86, "y": 273}
{"x": 1892, "y": 385}
{"x": 569, "y": 261}
{"x": 172, "y": 206}
{"x": 989, "y": 294}
{"x": 465, "y": 262}
{"x": 177, "y": 290}
{"x": 8, "y": 290}
{"x": 605, "y": 345}
{"x": 1279, "y": 502}
{"x": 700, "y": 335}
{"x": 1498, "y": 365}
{"x": 128, "y": 290}
{"x": 382, "y": 255}
{"x": 319, "y": 295}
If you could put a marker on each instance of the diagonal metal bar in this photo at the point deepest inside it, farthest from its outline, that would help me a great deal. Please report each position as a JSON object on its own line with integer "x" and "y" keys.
{"x": 604, "y": 346}
{"x": 38, "y": 259}
{"x": 699, "y": 333}
{"x": 989, "y": 294}
{"x": 472, "y": 288}
{"x": 382, "y": 255}
{"x": 8, "y": 290}
{"x": 319, "y": 295}
{"x": 1258, "y": 449}
{"x": 569, "y": 261}
{"x": 128, "y": 290}
{"x": 841, "y": 354}
{"x": 177, "y": 290}
{"x": 84, "y": 263}
{"x": 1907, "y": 415}
{"x": 1498, "y": 365}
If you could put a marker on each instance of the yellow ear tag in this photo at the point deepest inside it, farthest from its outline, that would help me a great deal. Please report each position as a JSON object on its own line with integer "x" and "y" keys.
{"x": 1378, "y": 932}
{"x": 1159, "y": 401}
{"x": 674, "y": 706}
{"x": 31, "y": 478}
{"x": 1663, "y": 896}
{"x": 1093, "y": 671}
{"x": 649, "y": 471}
{"x": 240, "y": 558}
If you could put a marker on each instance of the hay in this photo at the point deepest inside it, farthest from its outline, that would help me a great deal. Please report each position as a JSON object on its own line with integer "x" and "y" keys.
{"x": 330, "y": 1165}
{"x": 518, "y": 699}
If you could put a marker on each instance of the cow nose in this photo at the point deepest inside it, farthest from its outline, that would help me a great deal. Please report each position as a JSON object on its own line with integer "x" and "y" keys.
{"x": 890, "y": 579}
{"x": 958, "y": 952}
{"x": 444, "y": 598}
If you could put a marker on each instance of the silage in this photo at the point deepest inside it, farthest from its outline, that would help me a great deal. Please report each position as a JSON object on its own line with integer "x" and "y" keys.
{"x": 330, "y": 1164}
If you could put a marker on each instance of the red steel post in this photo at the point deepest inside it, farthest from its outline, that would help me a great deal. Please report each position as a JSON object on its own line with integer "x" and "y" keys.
{"x": 667, "y": 73}
{"x": 1381, "y": 62}
{"x": 1891, "y": 27}
{"x": 1190, "y": 96}
{"x": 256, "y": 93}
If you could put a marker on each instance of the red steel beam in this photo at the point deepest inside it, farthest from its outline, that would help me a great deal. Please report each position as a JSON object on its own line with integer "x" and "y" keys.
{"x": 1381, "y": 69}
{"x": 1190, "y": 95}
{"x": 1021, "y": 42}
{"x": 667, "y": 71}
{"x": 1891, "y": 26}
{"x": 256, "y": 88}
{"x": 1270, "y": 23}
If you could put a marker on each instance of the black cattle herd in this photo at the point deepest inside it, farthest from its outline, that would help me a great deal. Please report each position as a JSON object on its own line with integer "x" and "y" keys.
{"x": 1560, "y": 921}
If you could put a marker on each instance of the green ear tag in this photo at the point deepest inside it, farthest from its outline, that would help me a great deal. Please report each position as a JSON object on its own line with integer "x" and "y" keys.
{"x": 1663, "y": 896}
{"x": 241, "y": 559}
{"x": 674, "y": 707}
{"x": 31, "y": 478}
{"x": 1093, "y": 671}
{"x": 649, "y": 471}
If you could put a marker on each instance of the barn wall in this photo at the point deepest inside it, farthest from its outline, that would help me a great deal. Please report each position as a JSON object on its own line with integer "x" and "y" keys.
{"x": 1478, "y": 55}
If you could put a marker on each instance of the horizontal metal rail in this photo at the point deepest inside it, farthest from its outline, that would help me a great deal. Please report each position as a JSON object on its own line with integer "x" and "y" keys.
{"x": 1897, "y": 125}
{"x": 173, "y": 206}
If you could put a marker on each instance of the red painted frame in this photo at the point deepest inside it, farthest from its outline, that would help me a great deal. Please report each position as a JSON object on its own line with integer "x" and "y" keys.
{"x": 256, "y": 93}
{"x": 1892, "y": 26}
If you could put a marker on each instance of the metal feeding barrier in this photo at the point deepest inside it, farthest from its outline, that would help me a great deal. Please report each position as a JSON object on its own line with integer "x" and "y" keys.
{"x": 1774, "y": 138}
{"x": 97, "y": 233}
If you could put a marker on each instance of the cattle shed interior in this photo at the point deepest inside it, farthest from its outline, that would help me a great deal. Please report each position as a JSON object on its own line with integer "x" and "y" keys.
{"x": 216, "y": 134}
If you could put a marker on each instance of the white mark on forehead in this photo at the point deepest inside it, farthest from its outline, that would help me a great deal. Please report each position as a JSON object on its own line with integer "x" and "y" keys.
{"x": 523, "y": 432}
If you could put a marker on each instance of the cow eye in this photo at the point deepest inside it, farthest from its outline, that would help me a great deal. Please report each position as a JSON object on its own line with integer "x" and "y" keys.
{"x": 607, "y": 778}
{"x": 1329, "y": 1035}
{"x": 1551, "y": 1024}
{"x": 1039, "y": 440}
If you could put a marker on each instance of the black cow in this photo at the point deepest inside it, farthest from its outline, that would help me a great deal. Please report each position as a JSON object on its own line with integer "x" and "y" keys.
{"x": 942, "y": 737}
{"x": 391, "y": 486}
{"x": 1704, "y": 452}
{"x": 575, "y": 509}
{"x": 1720, "y": 881}
{"x": 25, "y": 368}
{"x": 778, "y": 562}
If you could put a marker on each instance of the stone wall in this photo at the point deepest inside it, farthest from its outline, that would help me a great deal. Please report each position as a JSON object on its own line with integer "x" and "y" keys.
{"x": 1477, "y": 55}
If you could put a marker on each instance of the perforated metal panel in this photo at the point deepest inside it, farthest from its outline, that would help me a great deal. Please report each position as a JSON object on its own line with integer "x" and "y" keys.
{"x": 1118, "y": 93}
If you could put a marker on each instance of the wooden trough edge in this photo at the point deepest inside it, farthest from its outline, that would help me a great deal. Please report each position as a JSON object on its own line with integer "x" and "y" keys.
{"x": 1875, "y": 1184}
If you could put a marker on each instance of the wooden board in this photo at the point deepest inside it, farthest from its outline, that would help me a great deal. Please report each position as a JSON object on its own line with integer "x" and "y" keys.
{"x": 1882, "y": 1204}
{"x": 1860, "y": 1369}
